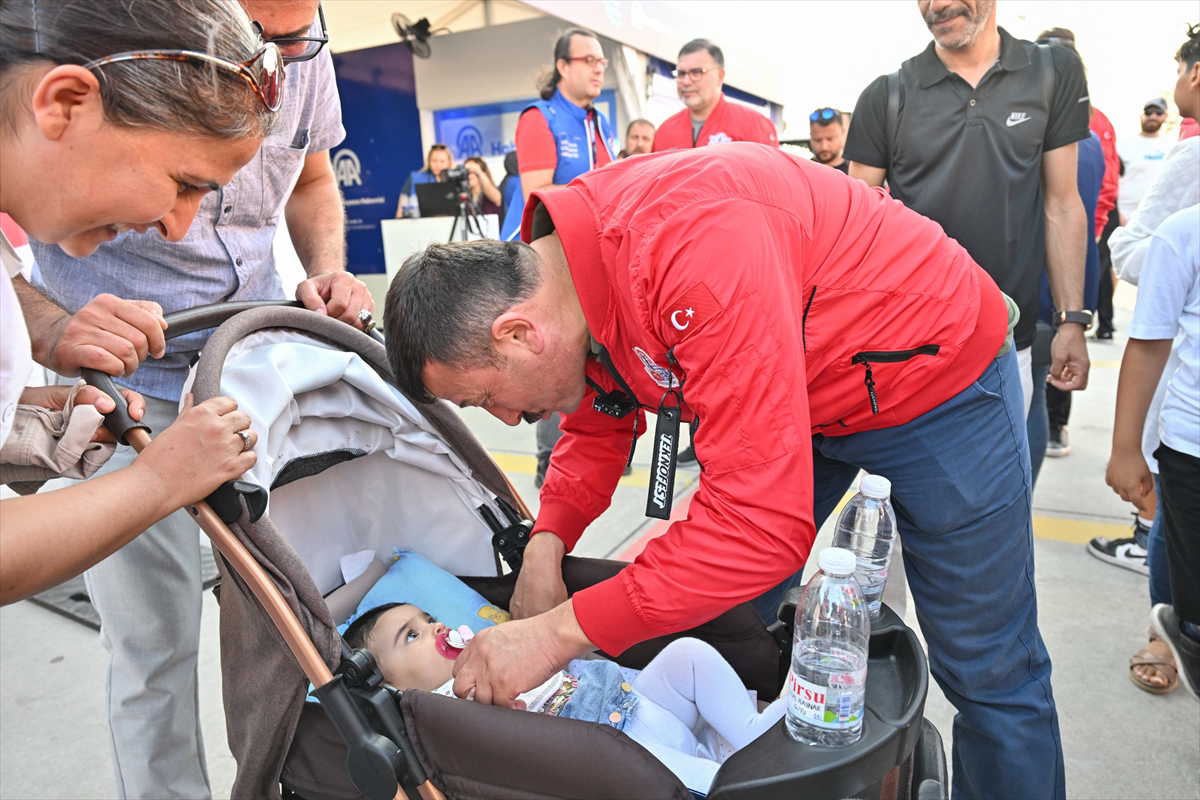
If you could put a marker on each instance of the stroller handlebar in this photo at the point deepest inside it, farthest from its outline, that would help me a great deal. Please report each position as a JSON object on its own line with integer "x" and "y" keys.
{"x": 201, "y": 318}
{"x": 118, "y": 420}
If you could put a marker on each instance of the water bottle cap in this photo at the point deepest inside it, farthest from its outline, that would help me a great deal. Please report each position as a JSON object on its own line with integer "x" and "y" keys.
{"x": 836, "y": 561}
{"x": 876, "y": 487}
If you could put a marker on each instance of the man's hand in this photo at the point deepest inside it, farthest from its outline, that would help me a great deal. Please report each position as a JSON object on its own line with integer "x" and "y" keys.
{"x": 503, "y": 661}
{"x": 1069, "y": 358}
{"x": 55, "y": 398}
{"x": 540, "y": 585}
{"x": 1129, "y": 476}
{"x": 337, "y": 294}
{"x": 108, "y": 334}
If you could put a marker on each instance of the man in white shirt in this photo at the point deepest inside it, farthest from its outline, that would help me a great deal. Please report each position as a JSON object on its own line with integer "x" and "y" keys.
{"x": 1143, "y": 157}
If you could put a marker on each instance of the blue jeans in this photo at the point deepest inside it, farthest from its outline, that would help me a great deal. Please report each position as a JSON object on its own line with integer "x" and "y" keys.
{"x": 1156, "y": 556}
{"x": 962, "y": 492}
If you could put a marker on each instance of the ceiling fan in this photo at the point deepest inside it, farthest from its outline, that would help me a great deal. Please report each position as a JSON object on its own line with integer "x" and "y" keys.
{"x": 415, "y": 35}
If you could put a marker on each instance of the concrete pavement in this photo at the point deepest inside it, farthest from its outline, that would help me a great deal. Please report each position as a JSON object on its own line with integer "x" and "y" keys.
{"x": 1119, "y": 742}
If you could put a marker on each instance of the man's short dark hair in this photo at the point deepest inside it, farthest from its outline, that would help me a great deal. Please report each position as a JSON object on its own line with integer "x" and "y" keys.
{"x": 443, "y": 301}
{"x": 638, "y": 121}
{"x": 837, "y": 116}
{"x": 358, "y": 631}
{"x": 1189, "y": 52}
{"x": 696, "y": 45}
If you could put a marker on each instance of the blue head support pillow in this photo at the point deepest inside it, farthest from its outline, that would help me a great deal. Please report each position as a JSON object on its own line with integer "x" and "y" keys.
{"x": 412, "y": 578}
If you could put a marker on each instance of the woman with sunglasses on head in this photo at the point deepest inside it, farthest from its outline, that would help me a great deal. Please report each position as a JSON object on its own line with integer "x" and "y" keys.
{"x": 437, "y": 161}
{"x": 87, "y": 313}
{"x": 85, "y": 154}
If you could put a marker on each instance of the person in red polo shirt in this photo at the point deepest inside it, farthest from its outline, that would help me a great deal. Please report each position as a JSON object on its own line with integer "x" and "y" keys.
{"x": 709, "y": 118}
{"x": 806, "y": 326}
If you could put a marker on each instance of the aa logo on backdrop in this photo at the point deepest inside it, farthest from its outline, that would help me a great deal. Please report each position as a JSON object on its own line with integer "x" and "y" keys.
{"x": 347, "y": 168}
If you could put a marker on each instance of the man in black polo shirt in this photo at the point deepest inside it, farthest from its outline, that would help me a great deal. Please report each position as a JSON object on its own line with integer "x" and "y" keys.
{"x": 983, "y": 142}
{"x": 978, "y": 133}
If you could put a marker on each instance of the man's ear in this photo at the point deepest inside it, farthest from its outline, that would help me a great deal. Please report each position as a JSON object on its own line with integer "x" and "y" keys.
{"x": 65, "y": 96}
{"x": 513, "y": 330}
{"x": 1194, "y": 79}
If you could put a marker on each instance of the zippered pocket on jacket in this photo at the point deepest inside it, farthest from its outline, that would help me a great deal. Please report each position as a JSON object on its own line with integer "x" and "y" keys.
{"x": 867, "y": 357}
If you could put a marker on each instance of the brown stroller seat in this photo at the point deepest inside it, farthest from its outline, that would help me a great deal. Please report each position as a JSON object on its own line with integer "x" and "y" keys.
{"x": 351, "y": 464}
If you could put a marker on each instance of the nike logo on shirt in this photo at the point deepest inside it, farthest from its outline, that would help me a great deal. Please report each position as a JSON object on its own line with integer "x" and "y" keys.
{"x": 1016, "y": 118}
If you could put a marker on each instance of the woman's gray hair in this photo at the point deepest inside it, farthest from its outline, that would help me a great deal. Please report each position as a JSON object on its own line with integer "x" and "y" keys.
{"x": 180, "y": 96}
{"x": 443, "y": 301}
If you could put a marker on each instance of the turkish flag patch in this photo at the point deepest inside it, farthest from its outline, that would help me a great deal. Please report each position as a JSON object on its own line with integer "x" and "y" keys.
{"x": 688, "y": 314}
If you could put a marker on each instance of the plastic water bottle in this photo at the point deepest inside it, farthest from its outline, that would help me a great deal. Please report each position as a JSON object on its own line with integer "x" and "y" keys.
{"x": 867, "y": 528}
{"x": 828, "y": 679}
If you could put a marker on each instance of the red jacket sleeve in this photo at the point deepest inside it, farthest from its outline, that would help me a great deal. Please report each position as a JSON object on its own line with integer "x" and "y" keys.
{"x": 1112, "y": 168}
{"x": 750, "y": 523}
{"x": 766, "y": 131}
{"x": 536, "y": 148}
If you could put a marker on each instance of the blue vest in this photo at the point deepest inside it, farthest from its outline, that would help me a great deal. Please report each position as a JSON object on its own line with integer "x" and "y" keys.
{"x": 574, "y": 134}
{"x": 514, "y": 209}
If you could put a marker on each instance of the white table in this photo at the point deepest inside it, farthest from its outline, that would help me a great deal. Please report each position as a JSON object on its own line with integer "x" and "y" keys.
{"x": 403, "y": 237}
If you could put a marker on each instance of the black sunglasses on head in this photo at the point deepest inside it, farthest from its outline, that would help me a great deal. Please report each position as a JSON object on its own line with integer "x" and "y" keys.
{"x": 301, "y": 48}
{"x": 823, "y": 114}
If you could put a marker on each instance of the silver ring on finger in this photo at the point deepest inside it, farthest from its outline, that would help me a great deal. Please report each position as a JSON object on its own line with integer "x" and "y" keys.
{"x": 245, "y": 439}
{"x": 368, "y": 322}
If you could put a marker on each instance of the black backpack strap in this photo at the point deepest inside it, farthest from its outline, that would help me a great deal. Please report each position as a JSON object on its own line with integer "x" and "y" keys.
{"x": 893, "y": 112}
{"x": 1046, "y": 64}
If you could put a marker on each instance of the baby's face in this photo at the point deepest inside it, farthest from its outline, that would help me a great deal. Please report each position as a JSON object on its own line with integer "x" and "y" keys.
{"x": 405, "y": 644}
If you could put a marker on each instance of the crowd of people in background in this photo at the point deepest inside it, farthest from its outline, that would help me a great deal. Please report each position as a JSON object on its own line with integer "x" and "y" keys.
{"x": 1072, "y": 208}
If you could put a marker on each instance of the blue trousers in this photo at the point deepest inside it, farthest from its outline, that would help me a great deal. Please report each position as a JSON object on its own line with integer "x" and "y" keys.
{"x": 962, "y": 491}
{"x": 1156, "y": 555}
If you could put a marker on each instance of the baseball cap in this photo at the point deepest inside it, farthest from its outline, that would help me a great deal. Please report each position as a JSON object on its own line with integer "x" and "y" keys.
{"x": 1158, "y": 102}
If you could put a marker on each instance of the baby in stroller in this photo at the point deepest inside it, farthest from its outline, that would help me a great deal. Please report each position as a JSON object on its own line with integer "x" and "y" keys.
{"x": 688, "y": 707}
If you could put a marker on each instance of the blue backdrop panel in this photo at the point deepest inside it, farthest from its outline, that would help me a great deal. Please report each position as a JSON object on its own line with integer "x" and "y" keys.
{"x": 382, "y": 146}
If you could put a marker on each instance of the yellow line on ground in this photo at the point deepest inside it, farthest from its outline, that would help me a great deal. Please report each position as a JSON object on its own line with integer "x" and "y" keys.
{"x": 1076, "y": 531}
{"x": 1106, "y": 364}
{"x": 1058, "y": 529}
{"x": 640, "y": 477}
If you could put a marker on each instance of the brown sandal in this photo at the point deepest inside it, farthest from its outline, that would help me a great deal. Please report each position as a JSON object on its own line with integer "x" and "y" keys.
{"x": 1163, "y": 662}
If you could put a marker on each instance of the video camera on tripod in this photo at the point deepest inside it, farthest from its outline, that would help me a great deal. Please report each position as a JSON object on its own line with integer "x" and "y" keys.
{"x": 460, "y": 178}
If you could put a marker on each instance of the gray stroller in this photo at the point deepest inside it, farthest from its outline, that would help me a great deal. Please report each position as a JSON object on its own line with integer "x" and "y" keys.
{"x": 346, "y": 463}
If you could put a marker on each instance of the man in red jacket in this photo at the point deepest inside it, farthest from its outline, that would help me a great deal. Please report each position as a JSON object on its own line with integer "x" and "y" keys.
{"x": 806, "y": 326}
{"x": 709, "y": 118}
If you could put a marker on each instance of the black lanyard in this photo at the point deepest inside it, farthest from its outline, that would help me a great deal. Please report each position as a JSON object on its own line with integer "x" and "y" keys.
{"x": 619, "y": 403}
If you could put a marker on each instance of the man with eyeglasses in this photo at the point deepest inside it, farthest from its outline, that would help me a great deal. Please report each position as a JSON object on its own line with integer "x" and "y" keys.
{"x": 148, "y": 594}
{"x": 709, "y": 118}
{"x": 1143, "y": 156}
{"x": 827, "y": 137}
{"x": 559, "y": 138}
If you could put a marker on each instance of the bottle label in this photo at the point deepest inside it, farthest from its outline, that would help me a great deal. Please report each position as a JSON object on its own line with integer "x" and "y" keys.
{"x": 831, "y": 708}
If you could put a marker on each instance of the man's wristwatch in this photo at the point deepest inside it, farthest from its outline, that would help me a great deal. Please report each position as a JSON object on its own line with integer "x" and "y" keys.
{"x": 1084, "y": 318}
